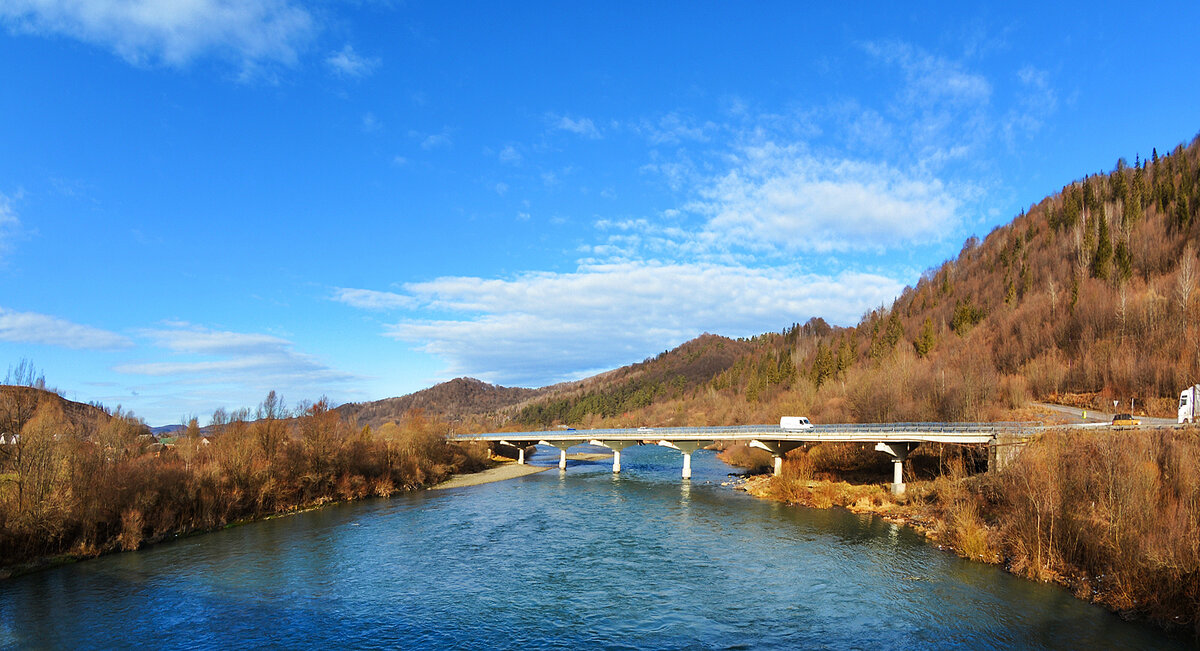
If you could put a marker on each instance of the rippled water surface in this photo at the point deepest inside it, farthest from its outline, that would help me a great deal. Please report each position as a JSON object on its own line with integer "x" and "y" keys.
{"x": 581, "y": 559}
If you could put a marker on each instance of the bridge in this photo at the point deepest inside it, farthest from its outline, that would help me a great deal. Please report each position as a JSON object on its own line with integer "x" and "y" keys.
{"x": 896, "y": 439}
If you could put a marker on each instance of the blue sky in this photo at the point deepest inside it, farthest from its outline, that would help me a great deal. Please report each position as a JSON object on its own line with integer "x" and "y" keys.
{"x": 202, "y": 201}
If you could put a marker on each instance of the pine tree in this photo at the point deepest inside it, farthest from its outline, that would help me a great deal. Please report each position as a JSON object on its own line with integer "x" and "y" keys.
{"x": 926, "y": 340}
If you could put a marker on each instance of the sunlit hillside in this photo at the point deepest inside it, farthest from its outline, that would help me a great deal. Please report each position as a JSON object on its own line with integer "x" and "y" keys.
{"x": 1087, "y": 297}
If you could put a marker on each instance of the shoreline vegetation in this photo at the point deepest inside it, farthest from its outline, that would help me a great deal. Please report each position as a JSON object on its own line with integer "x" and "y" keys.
{"x": 1112, "y": 516}
{"x": 77, "y": 487}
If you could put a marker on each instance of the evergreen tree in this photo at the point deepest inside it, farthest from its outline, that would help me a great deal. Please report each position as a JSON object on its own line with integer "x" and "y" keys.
{"x": 926, "y": 340}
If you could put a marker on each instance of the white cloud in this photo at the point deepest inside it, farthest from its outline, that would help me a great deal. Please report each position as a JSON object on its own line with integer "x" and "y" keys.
{"x": 581, "y": 126}
{"x": 369, "y": 299}
{"x": 547, "y": 327}
{"x": 781, "y": 198}
{"x": 34, "y": 328}
{"x": 183, "y": 338}
{"x": 348, "y": 63}
{"x": 173, "y": 32}
{"x": 253, "y": 360}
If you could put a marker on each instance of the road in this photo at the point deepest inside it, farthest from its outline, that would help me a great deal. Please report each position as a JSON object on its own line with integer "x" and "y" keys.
{"x": 1094, "y": 416}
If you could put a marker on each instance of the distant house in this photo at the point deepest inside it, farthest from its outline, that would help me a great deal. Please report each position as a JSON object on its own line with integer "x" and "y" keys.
{"x": 6, "y": 439}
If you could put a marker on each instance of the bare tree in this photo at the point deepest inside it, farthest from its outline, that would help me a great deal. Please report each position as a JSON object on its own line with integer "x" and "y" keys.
{"x": 1185, "y": 280}
{"x": 1083, "y": 252}
{"x": 270, "y": 428}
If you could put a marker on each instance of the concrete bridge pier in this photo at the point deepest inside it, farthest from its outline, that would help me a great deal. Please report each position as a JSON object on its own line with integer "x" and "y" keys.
{"x": 899, "y": 452}
{"x": 520, "y": 446}
{"x": 562, "y": 451}
{"x": 687, "y": 448}
{"x": 777, "y": 449}
{"x": 616, "y": 447}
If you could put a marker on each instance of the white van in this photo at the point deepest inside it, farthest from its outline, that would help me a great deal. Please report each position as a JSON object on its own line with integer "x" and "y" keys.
{"x": 794, "y": 423}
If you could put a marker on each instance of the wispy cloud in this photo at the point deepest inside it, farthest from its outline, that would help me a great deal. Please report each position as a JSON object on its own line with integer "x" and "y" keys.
{"x": 673, "y": 128}
{"x": 348, "y": 63}
{"x": 579, "y": 126}
{"x": 256, "y": 360}
{"x": 35, "y": 328}
{"x": 9, "y": 223}
{"x": 369, "y": 299}
{"x": 603, "y": 316}
{"x": 430, "y": 141}
{"x": 252, "y": 33}
{"x": 1038, "y": 100}
{"x": 510, "y": 155}
{"x": 931, "y": 79}
{"x": 941, "y": 106}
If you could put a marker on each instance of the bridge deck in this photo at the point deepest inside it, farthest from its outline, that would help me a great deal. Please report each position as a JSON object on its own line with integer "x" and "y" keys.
{"x": 889, "y": 433}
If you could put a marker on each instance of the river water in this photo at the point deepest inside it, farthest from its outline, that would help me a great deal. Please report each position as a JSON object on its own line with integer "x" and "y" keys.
{"x": 574, "y": 560}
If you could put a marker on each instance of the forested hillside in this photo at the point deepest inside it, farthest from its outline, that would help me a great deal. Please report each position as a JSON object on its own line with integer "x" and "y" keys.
{"x": 1088, "y": 296}
{"x": 458, "y": 399}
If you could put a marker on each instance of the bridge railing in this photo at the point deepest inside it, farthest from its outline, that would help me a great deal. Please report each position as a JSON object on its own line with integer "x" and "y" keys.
{"x": 651, "y": 433}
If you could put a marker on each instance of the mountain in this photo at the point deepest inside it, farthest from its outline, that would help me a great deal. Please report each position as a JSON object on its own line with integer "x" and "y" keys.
{"x": 456, "y": 399}
{"x": 672, "y": 373}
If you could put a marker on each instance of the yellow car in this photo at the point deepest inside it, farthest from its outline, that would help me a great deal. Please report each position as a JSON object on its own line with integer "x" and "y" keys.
{"x": 1125, "y": 420}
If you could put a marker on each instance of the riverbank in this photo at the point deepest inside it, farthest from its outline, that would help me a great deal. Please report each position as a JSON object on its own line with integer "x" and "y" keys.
{"x": 510, "y": 470}
{"x": 1110, "y": 516}
{"x": 499, "y": 473}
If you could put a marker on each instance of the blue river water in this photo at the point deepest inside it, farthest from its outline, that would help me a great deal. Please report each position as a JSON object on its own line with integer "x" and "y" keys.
{"x": 573, "y": 560}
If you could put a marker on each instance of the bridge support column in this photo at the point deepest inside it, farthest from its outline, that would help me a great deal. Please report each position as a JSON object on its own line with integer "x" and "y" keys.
{"x": 687, "y": 448}
{"x": 519, "y": 445}
{"x": 616, "y": 447}
{"x": 899, "y": 452}
{"x": 777, "y": 449}
{"x": 562, "y": 450}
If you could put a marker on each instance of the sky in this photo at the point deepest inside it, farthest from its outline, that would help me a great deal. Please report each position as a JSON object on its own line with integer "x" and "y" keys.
{"x": 205, "y": 200}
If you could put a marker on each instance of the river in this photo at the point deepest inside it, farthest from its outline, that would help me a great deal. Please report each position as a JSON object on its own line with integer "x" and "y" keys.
{"x": 574, "y": 560}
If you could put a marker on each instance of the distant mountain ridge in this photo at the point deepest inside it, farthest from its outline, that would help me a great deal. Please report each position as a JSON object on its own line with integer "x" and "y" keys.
{"x": 672, "y": 372}
{"x": 456, "y": 398}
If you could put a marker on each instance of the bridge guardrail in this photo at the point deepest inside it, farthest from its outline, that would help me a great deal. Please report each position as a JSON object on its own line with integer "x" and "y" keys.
{"x": 1019, "y": 428}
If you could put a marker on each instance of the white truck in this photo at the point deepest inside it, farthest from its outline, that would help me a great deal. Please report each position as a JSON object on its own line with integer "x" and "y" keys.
{"x": 1187, "y": 404}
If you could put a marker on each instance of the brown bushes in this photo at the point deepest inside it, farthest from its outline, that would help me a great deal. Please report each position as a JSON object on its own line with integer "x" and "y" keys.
{"x": 1120, "y": 508}
{"x": 63, "y": 492}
